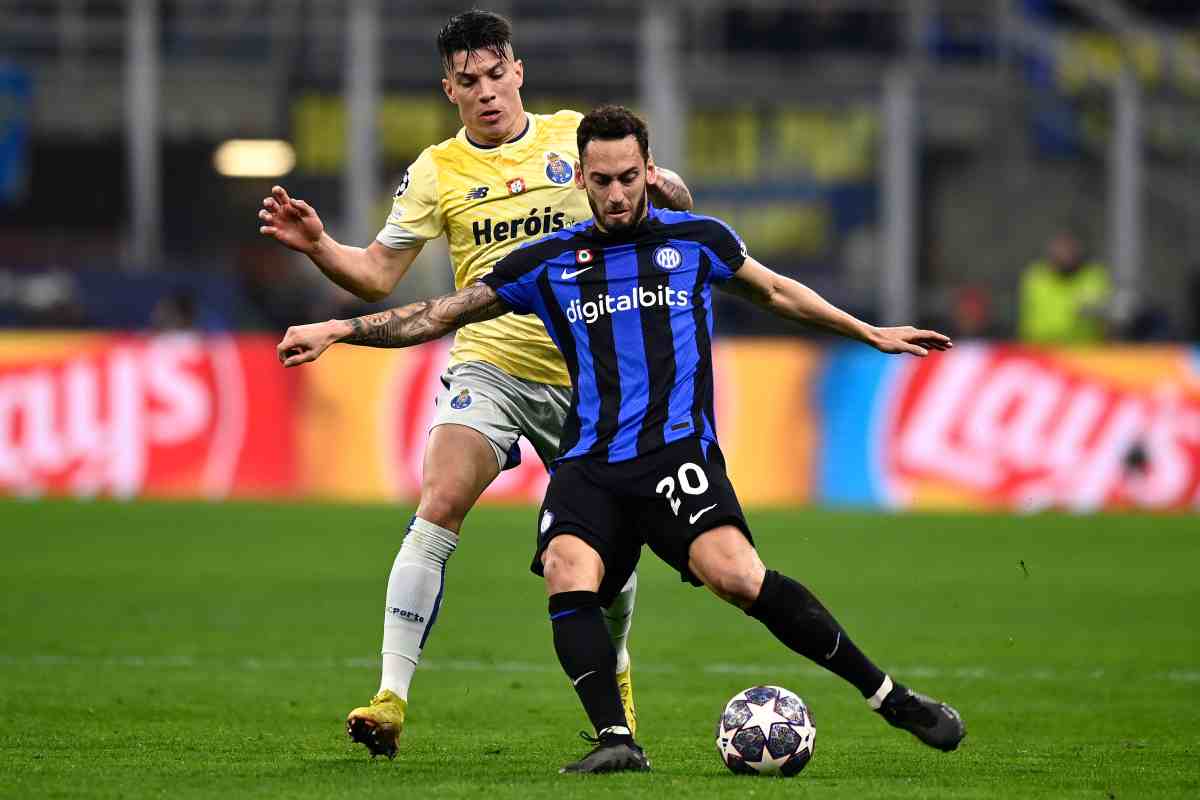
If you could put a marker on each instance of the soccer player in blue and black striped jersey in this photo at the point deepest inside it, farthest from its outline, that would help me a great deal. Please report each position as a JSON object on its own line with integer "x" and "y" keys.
{"x": 627, "y": 298}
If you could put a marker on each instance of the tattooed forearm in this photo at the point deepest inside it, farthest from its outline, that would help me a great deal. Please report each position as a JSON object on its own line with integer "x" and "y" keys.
{"x": 670, "y": 191}
{"x": 426, "y": 320}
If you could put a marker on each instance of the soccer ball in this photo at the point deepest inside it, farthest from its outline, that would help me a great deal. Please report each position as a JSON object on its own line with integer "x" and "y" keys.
{"x": 766, "y": 730}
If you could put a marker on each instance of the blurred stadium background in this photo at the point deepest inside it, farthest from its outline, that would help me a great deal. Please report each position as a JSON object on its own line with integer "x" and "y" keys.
{"x": 911, "y": 160}
{"x": 918, "y": 160}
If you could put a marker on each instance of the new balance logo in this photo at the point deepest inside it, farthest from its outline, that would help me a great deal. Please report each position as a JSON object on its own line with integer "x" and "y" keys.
{"x": 478, "y": 193}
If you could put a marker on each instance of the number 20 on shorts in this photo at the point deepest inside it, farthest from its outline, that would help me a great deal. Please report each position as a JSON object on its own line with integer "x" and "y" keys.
{"x": 692, "y": 480}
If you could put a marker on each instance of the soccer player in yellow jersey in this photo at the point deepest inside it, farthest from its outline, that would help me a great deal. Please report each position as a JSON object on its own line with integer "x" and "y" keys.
{"x": 505, "y": 179}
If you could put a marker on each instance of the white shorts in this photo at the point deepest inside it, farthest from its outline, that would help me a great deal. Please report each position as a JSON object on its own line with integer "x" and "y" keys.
{"x": 503, "y": 408}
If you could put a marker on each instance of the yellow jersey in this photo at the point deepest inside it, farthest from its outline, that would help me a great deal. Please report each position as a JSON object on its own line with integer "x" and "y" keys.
{"x": 488, "y": 201}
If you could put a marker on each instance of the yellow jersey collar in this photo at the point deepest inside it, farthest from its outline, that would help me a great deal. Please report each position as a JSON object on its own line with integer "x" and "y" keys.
{"x": 526, "y": 136}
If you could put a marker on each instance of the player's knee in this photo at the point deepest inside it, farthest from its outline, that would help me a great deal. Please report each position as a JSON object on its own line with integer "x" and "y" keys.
{"x": 444, "y": 506}
{"x": 736, "y": 581}
{"x": 570, "y": 565}
{"x": 740, "y": 587}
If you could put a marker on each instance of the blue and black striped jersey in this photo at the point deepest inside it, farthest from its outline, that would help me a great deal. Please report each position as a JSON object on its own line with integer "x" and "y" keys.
{"x": 632, "y": 315}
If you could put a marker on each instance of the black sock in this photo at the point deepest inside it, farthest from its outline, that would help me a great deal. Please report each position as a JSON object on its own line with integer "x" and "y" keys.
{"x": 587, "y": 656}
{"x": 798, "y": 619}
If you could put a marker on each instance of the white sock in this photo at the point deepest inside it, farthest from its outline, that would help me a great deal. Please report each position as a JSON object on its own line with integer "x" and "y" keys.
{"x": 414, "y": 597}
{"x": 875, "y": 701}
{"x": 618, "y": 617}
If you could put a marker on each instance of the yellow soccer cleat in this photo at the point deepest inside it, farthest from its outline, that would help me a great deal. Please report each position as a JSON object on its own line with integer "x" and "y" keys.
{"x": 625, "y": 687}
{"x": 378, "y": 725}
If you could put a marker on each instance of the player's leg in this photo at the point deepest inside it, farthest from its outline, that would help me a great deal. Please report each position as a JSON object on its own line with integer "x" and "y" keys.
{"x": 543, "y": 409}
{"x": 618, "y": 618}
{"x": 727, "y": 563}
{"x": 574, "y": 572}
{"x": 697, "y": 526}
{"x": 585, "y": 561}
{"x": 459, "y": 464}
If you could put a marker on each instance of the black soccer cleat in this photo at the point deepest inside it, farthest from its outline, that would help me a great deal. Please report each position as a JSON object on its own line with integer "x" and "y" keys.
{"x": 933, "y": 722}
{"x": 612, "y": 753}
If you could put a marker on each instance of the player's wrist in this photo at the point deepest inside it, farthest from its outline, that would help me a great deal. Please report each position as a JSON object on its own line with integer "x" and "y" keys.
{"x": 339, "y": 330}
{"x": 320, "y": 248}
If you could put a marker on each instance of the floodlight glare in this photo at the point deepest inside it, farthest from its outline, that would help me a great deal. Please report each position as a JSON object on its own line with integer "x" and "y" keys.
{"x": 254, "y": 158}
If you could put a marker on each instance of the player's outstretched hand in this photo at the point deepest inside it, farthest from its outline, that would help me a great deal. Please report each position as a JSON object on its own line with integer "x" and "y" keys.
{"x": 907, "y": 339}
{"x": 290, "y": 222}
{"x": 304, "y": 343}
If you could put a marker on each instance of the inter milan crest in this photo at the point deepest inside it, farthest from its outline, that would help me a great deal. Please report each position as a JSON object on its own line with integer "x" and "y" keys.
{"x": 557, "y": 168}
{"x": 516, "y": 185}
{"x": 461, "y": 400}
{"x": 403, "y": 185}
{"x": 667, "y": 257}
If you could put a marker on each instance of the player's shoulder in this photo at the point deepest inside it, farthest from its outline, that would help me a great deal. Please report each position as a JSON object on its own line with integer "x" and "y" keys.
{"x": 445, "y": 153}
{"x": 692, "y": 225}
{"x": 559, "y": 127}
{"x": 712, "y": 233}
{"x": 444, "y": 163}
{"x": 423, "y": 169}
{"x": 564, "y": 117}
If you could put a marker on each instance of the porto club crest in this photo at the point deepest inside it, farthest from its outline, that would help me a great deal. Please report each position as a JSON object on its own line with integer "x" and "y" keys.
{"x": 557, "y": 169}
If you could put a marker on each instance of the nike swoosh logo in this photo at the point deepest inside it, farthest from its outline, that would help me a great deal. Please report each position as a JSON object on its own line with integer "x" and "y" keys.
{"x": 575, "y": 681}
{"x": 573, "y": 273}
{"x": 836, "y": 645}
{"x": 692, "y": 519}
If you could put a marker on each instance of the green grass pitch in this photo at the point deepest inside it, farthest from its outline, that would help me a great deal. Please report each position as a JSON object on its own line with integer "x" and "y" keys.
{"x": 180, "y": 650}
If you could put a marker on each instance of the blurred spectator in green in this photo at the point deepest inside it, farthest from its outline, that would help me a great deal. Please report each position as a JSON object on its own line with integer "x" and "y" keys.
{"x": 1064, "y": 297}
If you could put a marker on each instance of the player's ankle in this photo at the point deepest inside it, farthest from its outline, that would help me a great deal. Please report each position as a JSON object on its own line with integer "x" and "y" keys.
{"x": 615, "y": 734}
{"x": 875, "y": 701}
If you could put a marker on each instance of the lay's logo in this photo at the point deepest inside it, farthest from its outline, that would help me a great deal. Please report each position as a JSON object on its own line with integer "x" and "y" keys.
{"x": 1015, "y": 428}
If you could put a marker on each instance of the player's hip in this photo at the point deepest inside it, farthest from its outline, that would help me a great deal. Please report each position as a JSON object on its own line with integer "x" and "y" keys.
{"x": 503, "y": 408}
{"x": 691, "y": 463}
{"x": 664, "y": 499}
{"x": 523, "y": 353}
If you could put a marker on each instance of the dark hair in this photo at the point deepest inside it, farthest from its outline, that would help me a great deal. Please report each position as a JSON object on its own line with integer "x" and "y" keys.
{"x": 474, "y": 30}
{"x": 612, "y": 122}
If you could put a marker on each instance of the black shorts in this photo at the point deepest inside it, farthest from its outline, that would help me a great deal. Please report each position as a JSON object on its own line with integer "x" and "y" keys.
{"x": 664, "y": 499}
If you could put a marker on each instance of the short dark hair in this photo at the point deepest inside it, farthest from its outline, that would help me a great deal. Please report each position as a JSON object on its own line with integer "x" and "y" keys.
{"x": 612, "y": 122}
{"x": 474, "y": 30}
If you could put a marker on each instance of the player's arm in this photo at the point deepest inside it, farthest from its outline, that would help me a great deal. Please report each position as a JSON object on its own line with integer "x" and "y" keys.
{"x": 398, "y": 327}
{"x": 793, "y": 300}
{"x": 370, "y": 272}
{"x": 667, "y": 190}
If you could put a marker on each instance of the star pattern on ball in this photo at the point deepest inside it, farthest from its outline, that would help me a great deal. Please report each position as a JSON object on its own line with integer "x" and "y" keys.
{"x": 765, "y": 730}
{"x": 763, "y": 716}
